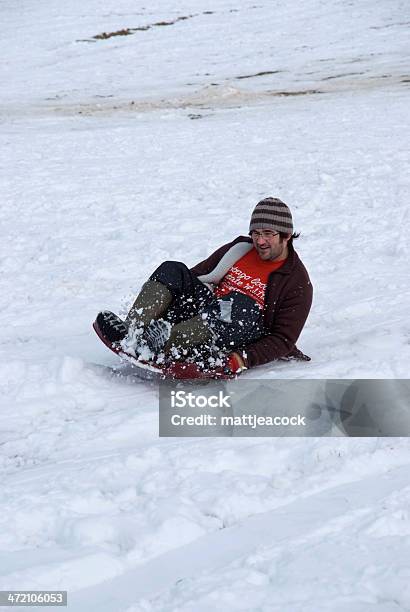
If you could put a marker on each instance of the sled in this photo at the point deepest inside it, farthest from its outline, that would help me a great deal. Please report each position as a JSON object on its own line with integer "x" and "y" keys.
{"x": 149, "y": 370}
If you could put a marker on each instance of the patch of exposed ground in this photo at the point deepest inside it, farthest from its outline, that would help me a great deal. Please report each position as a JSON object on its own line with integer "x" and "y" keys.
{"x": 211, "y": 97}
{"x": 130, "y": 31}
{"x": 144, "y": 28}
{"x": 341, "y": 76}
{"x": 258, "y": 74}
{"x": 207, "y": 99}
{"x": 302, "y": 92}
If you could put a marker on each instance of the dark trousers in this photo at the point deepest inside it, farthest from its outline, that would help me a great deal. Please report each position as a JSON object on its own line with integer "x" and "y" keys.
{"x": 235, "y": 319}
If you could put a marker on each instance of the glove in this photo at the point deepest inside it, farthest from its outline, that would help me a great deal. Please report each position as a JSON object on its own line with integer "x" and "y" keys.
{"x": 235, "y": 364}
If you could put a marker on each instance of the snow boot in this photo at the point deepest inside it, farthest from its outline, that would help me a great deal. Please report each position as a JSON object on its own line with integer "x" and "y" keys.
{"x": 111, "y": 326}
{"x": 188, "y": 334}
{"x": 161, "y": 335}
{"x": 152, "y": 301}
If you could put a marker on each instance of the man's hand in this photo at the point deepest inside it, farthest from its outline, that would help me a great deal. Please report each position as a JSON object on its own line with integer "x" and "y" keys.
{"x": 235, "y": 364}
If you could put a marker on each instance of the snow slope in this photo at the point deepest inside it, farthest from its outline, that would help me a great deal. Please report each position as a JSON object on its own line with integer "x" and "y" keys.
{"x": 120, "y": 152}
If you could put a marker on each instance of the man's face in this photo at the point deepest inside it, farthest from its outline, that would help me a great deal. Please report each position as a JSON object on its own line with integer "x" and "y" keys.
{"x": 269, "y": 245}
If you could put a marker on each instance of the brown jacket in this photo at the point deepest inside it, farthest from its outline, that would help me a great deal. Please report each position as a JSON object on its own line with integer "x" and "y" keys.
{"x": 288, "y": 299}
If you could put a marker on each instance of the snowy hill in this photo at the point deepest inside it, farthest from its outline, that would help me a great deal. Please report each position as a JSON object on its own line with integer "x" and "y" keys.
{"x": 132, "y": 134}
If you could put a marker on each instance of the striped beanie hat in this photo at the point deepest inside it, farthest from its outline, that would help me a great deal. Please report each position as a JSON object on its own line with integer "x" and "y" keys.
{"x": 272, "y": 214}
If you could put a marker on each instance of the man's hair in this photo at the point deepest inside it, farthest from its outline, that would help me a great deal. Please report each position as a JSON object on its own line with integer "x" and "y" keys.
{"x": 293, "y": 237}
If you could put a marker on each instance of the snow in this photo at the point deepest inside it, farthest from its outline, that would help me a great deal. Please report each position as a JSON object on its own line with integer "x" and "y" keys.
{"x": 118, "y": 154}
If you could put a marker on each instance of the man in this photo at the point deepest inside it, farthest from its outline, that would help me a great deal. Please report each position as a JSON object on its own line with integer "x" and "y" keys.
{"x": 244, "y": 306}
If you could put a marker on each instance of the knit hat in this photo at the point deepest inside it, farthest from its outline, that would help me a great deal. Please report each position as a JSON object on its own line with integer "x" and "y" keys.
{"x": 272, "y": 214}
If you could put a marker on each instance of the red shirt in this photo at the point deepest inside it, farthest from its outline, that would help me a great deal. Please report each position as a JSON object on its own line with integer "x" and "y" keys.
{"x": 249, "y": 275}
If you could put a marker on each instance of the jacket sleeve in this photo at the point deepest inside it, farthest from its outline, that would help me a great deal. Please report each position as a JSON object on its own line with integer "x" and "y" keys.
{"x": 288, "y": 323}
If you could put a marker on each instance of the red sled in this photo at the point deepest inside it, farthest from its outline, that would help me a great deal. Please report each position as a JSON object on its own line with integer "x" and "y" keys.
{"x": 178, "y": 370}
